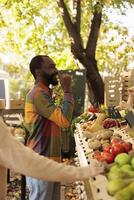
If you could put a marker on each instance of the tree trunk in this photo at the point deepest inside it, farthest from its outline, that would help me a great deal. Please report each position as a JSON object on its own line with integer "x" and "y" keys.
{"x": 97, "y": 85}
{"x": 94, "y": 80}
{"x": 86, "y": 56}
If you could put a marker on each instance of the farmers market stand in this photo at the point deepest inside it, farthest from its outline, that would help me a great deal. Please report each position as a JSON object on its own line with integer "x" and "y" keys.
{"x": 95, "y": 188}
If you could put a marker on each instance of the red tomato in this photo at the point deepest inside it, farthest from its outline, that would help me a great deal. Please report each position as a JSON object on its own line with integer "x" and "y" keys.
{"x": 107, "y": 148}
{"x": 97, "y": 156}
{"x": 108, "y": 157}
{"x": 117, "y": 148}
{"x": 93, "y": 109}
{"x": 116, "y": 140}
{"x": 102, "y": 159}
{"x": 127, "y": 146}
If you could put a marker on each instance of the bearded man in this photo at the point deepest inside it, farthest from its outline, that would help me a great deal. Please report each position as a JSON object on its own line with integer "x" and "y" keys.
{"x": 43, "y": 120}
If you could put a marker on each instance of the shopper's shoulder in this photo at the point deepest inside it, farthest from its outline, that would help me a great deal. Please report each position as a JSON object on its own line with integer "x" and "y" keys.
{"x": 37, "y": 91}
{"x": 31, "y": 93}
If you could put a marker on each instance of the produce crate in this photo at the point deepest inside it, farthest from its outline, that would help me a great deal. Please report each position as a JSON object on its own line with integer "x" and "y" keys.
{"x": 17, "y": 104}
{"x": 127, "y": 81}
{"x": 112, "y": 92}
{"x": 12, "y": 117}
{"x": 95, "y": 188}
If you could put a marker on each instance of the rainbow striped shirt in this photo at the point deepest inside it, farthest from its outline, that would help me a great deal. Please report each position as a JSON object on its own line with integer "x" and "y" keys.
{"x": 43, "y": 120}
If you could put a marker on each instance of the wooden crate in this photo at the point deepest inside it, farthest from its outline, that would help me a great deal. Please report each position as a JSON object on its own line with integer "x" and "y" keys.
{"x": 2, "y": 104}
{"x": 127, "y": 79}
{"x": 112, "y": 92}
{"x": 17, "y": 104}
{"x": 12, "y": 117}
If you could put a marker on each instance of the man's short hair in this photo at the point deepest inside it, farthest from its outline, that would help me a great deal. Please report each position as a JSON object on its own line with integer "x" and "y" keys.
{"x": 36, "y": 63}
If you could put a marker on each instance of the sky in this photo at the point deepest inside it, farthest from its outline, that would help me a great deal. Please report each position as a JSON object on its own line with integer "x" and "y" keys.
{"x": 125, "y": 20}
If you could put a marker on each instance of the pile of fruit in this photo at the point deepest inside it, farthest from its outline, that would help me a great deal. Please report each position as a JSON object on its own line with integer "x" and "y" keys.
{"x": 109, "y": 123}
{"x": 84, "y": 117}
{"x": 91, "y": 127}
{"x": 101, "y": 140}
{"x": 116, "y": 146}
{"x": 121, "y": 178}
{"x": 103, "y": 132}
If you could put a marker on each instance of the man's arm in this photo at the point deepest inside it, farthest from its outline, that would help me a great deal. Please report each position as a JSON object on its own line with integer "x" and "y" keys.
{"x": 46, "y": 108}
{"x": 14, "y": 155}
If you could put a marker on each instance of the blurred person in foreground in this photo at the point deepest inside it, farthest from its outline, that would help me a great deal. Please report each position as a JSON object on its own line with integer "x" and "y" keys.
{"x": 130, "y": 102}
{"x": 14, "y": 155}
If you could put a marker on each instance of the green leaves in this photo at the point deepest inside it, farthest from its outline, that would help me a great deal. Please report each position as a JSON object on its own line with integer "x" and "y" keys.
{"x": 31, "y": 27}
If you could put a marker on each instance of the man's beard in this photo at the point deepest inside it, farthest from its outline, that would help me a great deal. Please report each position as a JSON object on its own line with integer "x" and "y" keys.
{"x": 51, "y": 79}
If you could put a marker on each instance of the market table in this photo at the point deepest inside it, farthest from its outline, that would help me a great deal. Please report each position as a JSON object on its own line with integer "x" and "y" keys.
{"x": 95, "y": 188}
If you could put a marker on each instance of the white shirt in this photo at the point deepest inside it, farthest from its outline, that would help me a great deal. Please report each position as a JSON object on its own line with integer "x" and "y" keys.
{"x": 14, "y": 155}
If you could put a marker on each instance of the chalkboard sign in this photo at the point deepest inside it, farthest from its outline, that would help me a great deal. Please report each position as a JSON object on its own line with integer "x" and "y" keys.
{"x": 78, "y": 86}
{"x": 130, "y": 118}
{"x": 114, "y": 113}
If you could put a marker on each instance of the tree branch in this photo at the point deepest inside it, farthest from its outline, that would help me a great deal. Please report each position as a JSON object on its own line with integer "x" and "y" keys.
{"x": 77, "y": 22}
{"x": 66, "y": 16}
{"x": 93, "y": 35}
{"x": 72, "y": 31}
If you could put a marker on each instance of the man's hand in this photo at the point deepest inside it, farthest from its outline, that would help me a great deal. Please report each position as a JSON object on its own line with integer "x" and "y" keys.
{"x": 96, "y": 168}
{"x": 66, "y": 83}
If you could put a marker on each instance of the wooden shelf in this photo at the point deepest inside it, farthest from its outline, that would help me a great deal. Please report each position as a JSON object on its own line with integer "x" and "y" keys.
{"x": 96, "y": 187}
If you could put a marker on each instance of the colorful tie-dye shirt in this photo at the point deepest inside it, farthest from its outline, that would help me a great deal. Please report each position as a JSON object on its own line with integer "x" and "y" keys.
{"x": 43, "y": 120}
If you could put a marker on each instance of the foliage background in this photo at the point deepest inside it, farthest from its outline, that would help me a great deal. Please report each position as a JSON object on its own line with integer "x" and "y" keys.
{"x": 31, "y": 27}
